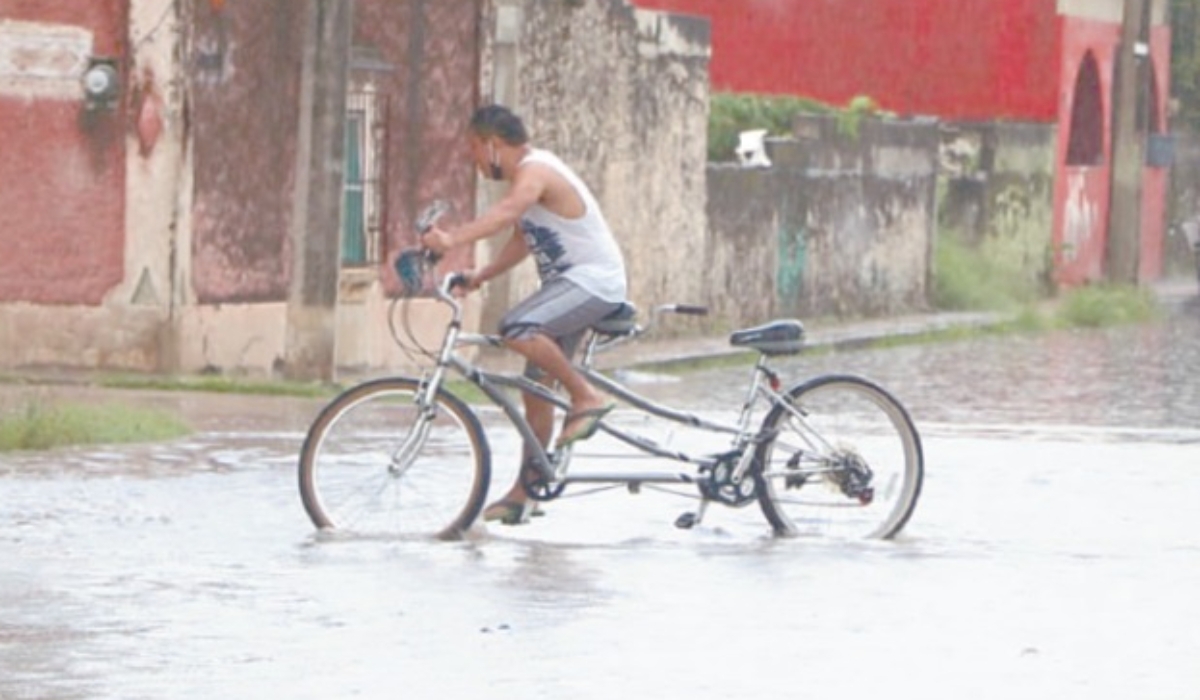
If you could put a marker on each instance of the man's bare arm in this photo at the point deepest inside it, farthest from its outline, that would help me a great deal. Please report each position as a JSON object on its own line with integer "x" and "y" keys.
{"x": 513, "y": 252}
{"x": 526, "y": 190}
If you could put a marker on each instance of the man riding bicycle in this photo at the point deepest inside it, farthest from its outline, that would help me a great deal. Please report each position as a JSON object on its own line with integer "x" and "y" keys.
{"x": 558, "y": 221}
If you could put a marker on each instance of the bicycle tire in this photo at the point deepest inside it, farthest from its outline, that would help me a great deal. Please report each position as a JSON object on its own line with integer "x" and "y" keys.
{"x": 353, "y": 478}
{"x": 850, "y": 421}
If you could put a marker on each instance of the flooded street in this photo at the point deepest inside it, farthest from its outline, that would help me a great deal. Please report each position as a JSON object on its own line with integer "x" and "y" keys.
{"x": 1055, "y": 553}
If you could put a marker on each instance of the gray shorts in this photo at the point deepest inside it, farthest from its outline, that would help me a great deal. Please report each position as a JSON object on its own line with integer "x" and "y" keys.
{"x": 559, "y": 309}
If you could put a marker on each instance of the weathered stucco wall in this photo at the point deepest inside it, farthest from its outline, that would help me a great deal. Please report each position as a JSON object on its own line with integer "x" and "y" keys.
{"x": 427, "y": 63}
{"x": 622, "y": 95}
{"x": 997, "y": 185}
{"x": 92, "y": 213}
{"x": 422, "y": 59}
{"x": 62, "y": 164}
{"x": 1183, "y": 214}
{"x": 840, "y": 225}
{"x": 418, "y": 59}
{"x": 244, "y": 85}
{"x": 211, "y": 133}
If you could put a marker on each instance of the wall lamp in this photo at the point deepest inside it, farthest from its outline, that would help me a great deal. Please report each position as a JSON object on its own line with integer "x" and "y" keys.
{"x": 101, "y": 83}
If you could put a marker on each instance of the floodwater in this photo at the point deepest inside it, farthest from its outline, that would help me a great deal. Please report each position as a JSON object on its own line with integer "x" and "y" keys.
{"x": 1055, "y": 553}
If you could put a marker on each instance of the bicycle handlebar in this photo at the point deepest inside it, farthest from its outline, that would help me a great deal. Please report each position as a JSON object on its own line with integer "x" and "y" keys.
{"x": 686, "y": 309}
{"x": 444, "y": 291}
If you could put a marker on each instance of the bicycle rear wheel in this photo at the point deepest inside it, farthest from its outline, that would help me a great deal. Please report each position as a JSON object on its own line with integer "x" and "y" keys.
{"x": 841, "y": 458}
{"x": 373, "y": 462}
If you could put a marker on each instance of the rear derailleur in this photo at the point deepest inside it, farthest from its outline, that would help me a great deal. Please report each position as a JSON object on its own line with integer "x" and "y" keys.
{"x": 852, "y": 475}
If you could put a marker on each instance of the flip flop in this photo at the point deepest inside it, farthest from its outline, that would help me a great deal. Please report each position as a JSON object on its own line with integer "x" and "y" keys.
{"x": 511, "y": 512}
{"x": 588, "y": 423}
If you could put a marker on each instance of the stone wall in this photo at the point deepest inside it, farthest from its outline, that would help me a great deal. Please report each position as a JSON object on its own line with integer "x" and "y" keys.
{"x": 841, "y": 224}
{"x": 621, "y": 95}
{"x": 996, "y": 194}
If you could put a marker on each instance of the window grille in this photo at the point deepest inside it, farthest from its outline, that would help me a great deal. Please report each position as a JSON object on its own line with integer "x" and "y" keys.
{"x": 363, "y": 212}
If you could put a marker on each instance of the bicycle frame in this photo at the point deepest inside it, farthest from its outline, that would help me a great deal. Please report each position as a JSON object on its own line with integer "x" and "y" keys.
{"x": 843, "y": 434}
{"x": 553, "y": 465}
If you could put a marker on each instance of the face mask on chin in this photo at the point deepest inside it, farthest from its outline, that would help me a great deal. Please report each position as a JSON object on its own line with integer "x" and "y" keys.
{"x": 494, "y": 170}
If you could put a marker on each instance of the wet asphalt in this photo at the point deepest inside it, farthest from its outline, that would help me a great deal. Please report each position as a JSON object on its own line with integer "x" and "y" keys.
{"x": 1055, "y": 553}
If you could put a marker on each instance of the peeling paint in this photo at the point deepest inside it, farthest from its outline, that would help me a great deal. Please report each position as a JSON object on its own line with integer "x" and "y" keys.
{"x": 1081, "y": 217}
{"x": 42, "y": 60}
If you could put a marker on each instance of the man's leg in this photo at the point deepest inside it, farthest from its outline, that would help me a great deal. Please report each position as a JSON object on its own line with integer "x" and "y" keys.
{"x": 546, "y": 329}
{"x": 540, "y": 415}
{"x": 548, "y": 356}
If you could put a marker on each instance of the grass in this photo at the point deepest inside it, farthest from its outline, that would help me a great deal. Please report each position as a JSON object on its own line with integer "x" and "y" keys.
{"x": 1107, "y": 305}
{"x": 217, "y": 384}
{"x": 980, "y": 279}
{"x": 44, "y": 426}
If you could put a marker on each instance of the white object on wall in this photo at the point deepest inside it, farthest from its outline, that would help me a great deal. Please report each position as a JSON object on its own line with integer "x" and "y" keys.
{"x": 752, "y": 149}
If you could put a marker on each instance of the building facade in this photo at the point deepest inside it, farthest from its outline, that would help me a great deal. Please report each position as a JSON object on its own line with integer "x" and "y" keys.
{"x": 1037, "y": 61}
{"x": 165, "y": 164}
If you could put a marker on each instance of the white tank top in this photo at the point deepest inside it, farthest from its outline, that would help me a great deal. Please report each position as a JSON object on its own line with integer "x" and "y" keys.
{"x": 581, "y": 250}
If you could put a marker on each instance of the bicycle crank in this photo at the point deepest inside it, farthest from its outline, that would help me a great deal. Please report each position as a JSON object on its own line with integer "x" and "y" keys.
{"x": 538, "y": 488}
{"x": 721, "y": 487}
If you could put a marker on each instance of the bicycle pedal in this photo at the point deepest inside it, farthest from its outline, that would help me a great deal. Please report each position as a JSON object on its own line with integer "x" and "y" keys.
{"x": 687, "y": 521}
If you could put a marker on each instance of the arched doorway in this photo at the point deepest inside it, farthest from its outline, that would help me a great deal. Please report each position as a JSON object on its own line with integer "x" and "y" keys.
{"x": 1081, "y": 190}
{"x": 1085, "y": 144}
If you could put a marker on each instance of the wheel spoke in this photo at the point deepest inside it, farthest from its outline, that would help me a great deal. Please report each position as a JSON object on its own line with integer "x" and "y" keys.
{"x": 370, "y": 464}
{"x": 850, "y": 465}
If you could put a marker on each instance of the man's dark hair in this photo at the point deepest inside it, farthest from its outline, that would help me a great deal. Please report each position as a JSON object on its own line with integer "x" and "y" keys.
{"x": 495, "y": 120}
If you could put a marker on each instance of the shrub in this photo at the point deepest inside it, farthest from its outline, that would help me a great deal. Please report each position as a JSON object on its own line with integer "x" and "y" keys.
{"x": 730, "y": 114}
{"x": 1107, "y": 305}
{"x": 987, "y": 277}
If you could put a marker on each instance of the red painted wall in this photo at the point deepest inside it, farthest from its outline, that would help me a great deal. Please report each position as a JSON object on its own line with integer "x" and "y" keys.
{"x": 244, "y": 78}
{"x": 433, "y": 53}
{"x": 62, "y": 173}
{"x": 1155, "y": 182}
{"x": 1082, "y": 193}
{"x": 1081, "y": 199}
{"x": 997, "y": 59}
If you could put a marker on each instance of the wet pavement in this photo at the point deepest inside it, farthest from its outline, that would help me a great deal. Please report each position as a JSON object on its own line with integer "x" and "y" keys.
{"x": 1055, "y": 553}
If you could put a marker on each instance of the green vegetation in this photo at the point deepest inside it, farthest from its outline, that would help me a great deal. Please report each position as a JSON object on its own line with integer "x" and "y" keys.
{"x": 43, "y": 426}
{"x": 732, "y": 113}
{"x": 850, "y": 119}
{"x": 992, "y": 276}
{"x": 1107, "y": 305}
{"x": 217, "y": 384}
{"x": 1185, "y": 62}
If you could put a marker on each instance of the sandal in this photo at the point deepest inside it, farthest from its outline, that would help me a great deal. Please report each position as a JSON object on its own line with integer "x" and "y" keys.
{"x": 586, "y": 424}
{"x": 511, "y": 512}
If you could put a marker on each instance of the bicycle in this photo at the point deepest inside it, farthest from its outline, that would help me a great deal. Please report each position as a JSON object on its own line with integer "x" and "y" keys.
{"x": 406, "y": 456}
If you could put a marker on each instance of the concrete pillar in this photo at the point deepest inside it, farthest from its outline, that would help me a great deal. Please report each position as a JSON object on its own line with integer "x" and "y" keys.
{"x": 309, "y": 353}
{"x": 1128, "y": 148}
{"x": 505, "y": 90}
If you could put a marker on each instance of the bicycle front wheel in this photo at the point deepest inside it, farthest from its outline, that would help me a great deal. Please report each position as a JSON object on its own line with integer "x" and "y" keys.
{"x": 375, "y": 462}
{"x": 840, "y": 457}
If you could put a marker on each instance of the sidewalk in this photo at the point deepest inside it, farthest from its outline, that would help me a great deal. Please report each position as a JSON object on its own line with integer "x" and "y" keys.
{"x": 652, "y": 352}
{"x": 830, "y": 334}
{"x": 842, "y": 334}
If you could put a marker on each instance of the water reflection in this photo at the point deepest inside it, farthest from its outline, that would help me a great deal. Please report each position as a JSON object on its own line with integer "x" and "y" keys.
{"x": 1125, "y": 379}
